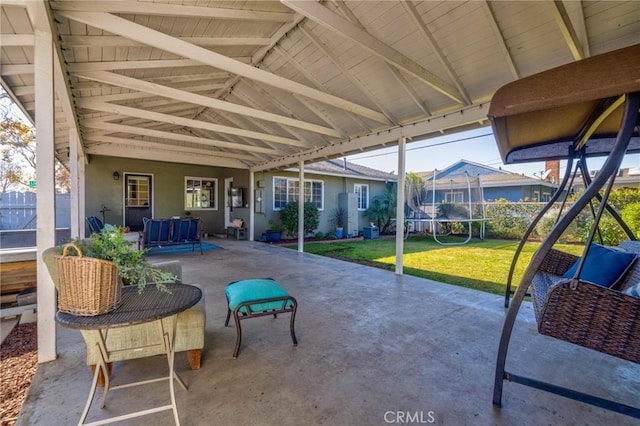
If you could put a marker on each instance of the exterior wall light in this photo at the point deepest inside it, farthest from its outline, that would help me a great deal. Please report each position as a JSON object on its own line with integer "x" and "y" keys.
{"x": 116, "y": 175}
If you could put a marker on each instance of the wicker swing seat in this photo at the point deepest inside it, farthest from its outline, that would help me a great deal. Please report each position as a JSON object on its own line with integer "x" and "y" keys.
{"x": 588, "y": 315}
{"x": 584, "y": 109}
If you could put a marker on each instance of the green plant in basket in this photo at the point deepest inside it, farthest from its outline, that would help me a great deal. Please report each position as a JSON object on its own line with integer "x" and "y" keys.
{"x": 133, "y": 267}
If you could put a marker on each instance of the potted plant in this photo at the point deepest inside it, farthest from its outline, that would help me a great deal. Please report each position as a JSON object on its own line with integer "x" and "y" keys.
{"x": 133, "y": 267}
{"x": 338, "y": 219}
{"x": 274, "y": 233}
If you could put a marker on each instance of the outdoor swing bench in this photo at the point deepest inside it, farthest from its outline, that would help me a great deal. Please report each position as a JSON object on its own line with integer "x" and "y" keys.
{"x": 584, "y": 109}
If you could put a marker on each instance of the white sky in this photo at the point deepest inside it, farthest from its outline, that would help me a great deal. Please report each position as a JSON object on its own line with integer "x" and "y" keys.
{"x": 476, "y": 145}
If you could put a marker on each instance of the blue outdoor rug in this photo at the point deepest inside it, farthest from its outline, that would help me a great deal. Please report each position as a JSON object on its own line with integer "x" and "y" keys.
{"x": 182, "y": 248}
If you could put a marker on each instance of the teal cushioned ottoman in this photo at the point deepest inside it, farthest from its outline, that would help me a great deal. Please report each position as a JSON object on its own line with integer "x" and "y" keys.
{"x": 255, "y": 298}
{"x": 256, "y": 289}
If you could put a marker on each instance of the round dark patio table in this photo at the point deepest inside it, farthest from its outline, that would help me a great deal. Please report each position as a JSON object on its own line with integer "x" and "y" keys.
{"x": 136, "y": 307}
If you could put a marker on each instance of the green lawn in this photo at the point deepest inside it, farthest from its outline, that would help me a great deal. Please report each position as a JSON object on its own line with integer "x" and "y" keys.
{"x": 482, "y": 265}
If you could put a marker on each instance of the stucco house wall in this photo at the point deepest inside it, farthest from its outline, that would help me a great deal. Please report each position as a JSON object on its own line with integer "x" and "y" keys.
{"x": 168, "y": 180}
{"x": 333, "y": 186}
{"x": 168, "y": 186}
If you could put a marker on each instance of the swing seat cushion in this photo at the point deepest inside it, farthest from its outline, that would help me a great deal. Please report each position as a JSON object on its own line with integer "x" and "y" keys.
{"x": 603, "y": 266}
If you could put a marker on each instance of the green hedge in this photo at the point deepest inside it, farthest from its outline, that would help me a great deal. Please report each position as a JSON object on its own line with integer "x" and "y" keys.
{"x": 510, "y": 220}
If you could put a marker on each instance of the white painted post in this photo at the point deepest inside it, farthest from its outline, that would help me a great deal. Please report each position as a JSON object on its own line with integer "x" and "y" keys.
{"x": 301, "y": 207}
{"x": 81, "y": 199}
{"x": 45, "y": 178}
{"x": 252, "y": 204}
{"x": 73, "y": 184}
{"x": 400, "y": 205}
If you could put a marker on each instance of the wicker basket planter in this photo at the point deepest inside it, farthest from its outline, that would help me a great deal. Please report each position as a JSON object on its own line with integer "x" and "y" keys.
{"x": 87, "y": 286}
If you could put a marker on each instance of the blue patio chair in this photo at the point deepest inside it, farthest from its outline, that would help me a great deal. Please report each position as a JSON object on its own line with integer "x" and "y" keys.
{"x": 95, "y": 224}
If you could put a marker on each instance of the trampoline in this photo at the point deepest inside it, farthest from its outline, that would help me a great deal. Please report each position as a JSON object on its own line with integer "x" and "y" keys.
{"x": 447, "y": 205}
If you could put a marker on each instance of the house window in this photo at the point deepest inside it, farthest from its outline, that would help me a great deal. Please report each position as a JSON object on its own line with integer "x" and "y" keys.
{"x": 454, "y": 197}
{"x": 200, "y": 193}
{"x": 536, "y": 196}
{"x": 362, "y": 193}
{"x": 285, "y": 190}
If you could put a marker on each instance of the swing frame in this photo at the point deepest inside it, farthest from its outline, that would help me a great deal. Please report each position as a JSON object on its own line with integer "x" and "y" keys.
{"x": 582, "y": 102}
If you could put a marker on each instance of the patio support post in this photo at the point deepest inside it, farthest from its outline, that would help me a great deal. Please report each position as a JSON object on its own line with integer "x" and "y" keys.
{"x": 45, "y": 178}
{"x": 301, "y": 207}
{"x": 81, "y": 199}
{"x": 73, "y": 184}
{"x": 402, "y": 144}
{"x": 252, "y": 203}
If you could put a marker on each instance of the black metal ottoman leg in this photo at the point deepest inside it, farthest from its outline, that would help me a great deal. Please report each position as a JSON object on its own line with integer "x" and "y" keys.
{"x": 238, "y": 333}
{"x": 226, "y": 322}
{"x": 292, "y": 325}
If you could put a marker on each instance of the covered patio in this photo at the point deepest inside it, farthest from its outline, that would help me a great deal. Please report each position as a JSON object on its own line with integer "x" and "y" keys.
{"x": 372, "y": 346}
{"x": 254, "y": 87}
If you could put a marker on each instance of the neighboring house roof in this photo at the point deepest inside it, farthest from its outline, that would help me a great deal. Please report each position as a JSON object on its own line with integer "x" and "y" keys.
{"x": 474, "y": 169}
{"x": 490, "y": 176}
{"x": 344, "y": 168}
{"x": 513, "y": 179}
{"x": 625, "y": 176}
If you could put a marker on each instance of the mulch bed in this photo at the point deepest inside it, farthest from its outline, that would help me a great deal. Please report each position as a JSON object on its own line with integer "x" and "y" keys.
{"x": 18, "y": 363}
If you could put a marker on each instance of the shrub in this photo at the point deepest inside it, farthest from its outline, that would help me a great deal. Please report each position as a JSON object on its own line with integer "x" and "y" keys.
{"x": 510, "y": 220}
{"x": 319, "y": 236}
{"x": 548, "y": 221}
{"x": 383, "y": 208}
{"x": 289, "y": 217}
{"x": 631, "y": 215}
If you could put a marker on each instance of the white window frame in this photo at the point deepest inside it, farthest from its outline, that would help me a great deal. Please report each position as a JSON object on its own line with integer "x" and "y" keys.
{"x": 211, "y": 197}
{"x": 456, "y": 195}
{"x": 536, "y": 196}
{"x": 357, "y": 189}
{"x": 290, "y": 180}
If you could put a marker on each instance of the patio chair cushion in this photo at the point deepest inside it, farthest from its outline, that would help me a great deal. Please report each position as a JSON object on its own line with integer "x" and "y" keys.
{"x": 255, "y": 289}
{"x": 603, "y": 266}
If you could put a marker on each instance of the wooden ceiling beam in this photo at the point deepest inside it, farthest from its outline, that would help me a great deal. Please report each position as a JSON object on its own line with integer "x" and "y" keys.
{"x": 435, "y": 48}
{"x": 165, "y": 9}
{"x": 502, "y": 44}
{"x": 328, "y": 19}
{"x": 101, "y": 41}
{"x": 172, "y": 119}
{"x": 563, "y": 20}
{"x": 168, "y": 43}
{"x": 143, "y": 150}
{"x": 127, "y": 65}
{"x": 119, "y": 128}
{"x": 135, "y": 84}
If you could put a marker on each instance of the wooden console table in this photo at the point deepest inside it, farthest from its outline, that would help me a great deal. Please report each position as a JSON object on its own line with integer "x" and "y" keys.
{"x": 136, "y": 308}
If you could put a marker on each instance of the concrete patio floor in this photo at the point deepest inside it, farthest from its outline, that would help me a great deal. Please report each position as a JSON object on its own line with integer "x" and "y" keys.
{"x": 372, "y": 346}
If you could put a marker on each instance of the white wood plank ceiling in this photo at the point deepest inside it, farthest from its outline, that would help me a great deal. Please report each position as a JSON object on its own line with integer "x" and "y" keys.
{"x": 265, "y": 84}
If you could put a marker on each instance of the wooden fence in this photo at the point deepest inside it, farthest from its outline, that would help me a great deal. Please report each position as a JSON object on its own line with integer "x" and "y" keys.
{"x": 18, "y": 210}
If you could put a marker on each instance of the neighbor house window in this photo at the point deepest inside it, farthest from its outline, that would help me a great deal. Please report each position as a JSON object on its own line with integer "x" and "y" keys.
{"x": 200, "y": 193}
{"x": 362, "y": 193}
{"x": 454, "y": 197}
{"x": 285, "y": 190}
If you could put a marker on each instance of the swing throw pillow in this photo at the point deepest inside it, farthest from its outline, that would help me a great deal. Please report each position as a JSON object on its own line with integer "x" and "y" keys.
{"x": 603, "y": 266}
{"x": 633, "y": 291}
